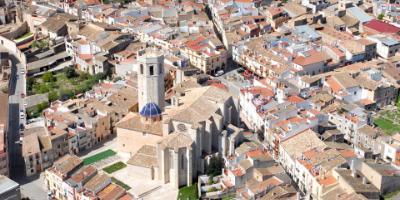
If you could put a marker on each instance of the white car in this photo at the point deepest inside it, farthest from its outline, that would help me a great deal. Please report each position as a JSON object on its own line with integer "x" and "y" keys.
{"x": 22, "y": 72}
{"x": 219, "y": 73}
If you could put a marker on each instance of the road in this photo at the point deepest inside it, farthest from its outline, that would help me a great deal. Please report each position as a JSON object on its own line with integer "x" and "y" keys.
{"x": 16, "y": 104}
{"x": 30, "y": 187}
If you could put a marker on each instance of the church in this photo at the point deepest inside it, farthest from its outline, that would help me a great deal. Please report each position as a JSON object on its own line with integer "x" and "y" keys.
{"x": 172, "y": 142}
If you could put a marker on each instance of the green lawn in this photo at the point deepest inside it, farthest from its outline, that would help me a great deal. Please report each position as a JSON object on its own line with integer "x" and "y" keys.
{"x": 120, "y": 183}
{"x": 188, "y": 192}
{"x": 114, "y": 167}
{"x": 387, "y": 125}
{"x": 100, "y": 156}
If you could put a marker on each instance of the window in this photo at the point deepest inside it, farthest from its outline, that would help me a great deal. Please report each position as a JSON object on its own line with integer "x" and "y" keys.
{"x": 182, "y": 162}
{"x": 151, "y": 70}
{"x": 141, "y": 68}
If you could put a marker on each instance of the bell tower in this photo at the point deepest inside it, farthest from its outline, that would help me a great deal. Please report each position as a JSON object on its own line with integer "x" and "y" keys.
{"x": 151, "y": 80}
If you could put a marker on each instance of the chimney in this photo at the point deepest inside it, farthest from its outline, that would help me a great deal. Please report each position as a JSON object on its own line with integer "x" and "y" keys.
{"x": 353, "y": 169}
{"x": 364, "y": 180}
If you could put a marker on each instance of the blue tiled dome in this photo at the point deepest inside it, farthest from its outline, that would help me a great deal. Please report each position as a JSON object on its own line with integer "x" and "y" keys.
{"x": 150, "y": 110}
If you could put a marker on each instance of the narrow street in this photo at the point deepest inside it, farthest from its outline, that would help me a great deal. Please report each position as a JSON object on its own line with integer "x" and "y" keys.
{"x": 16, "y": 104}
{"x": 31, "y": 187}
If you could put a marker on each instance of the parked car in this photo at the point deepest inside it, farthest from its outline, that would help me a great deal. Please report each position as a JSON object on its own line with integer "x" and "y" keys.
{"x": 219, "y": 73}
{"x": 240, "y": 70}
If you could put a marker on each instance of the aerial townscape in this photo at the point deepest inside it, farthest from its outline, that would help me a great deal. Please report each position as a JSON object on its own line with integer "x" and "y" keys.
{"x": 199, "y": 99}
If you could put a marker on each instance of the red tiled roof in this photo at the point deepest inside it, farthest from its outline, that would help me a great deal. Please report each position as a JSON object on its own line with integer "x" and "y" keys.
{"x": 382, "y": 27}
{"x": 295, "y": 99}
{"x": 314, "y": 57}
{"x": 366, "y": 101}
{"x": 348, "y": 153}
{"x": 329, "y": 180}
{"x": 335, "y": 86}
{"x": 265, "y": 92}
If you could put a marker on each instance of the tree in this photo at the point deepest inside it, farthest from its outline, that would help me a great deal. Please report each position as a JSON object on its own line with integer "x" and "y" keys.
{"x": 37, "y": 110}
{"x": 41, "y": 106}
{"x": 70, "y": 72}
{"x": 84, "y": 76}
{"x": 40, "y": 44}
{"x": 380, "y": 16}
{"x": 66, "y": 94}
{"x": 29, "y": 83}
{"x": 215, "y": 166}
{"x": 53, "y": 96}
{"x": 48, "y": 77}
{"x": 42, "y": 88}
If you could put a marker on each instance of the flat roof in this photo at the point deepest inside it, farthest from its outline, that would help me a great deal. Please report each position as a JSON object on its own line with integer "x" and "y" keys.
{"x": 46, "y": 61}
{"x": 7, "y": 184}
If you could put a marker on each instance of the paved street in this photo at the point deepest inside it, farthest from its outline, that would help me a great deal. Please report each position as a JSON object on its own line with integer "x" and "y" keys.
{"x": 32, "y": 187}
{"x": 16, "y": 104}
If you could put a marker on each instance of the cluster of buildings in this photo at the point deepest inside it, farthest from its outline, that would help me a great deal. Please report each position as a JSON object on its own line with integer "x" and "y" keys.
{"x": 76, "y": 125}
{"x": 319, "y": 72}
{"x": 68, "y": 178}
{"x": 324, "y": 137}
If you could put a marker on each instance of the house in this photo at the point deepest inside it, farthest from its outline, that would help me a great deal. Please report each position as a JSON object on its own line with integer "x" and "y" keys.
{"x": 378, "y": 27}
{"x": 31, "y": 152}
{"x": 251, "y": 99}
{"x": 55, "y": 26}
{"x": 352, "y": 182}
{"x": 384, "y": 176}
{"x": 366, "y": 137}
{"x": 311, "y": 62}
{"x": 391, "y": 150}
{"x": 61, "y": 171}
{"x": 74, "y": 185}
{"x": 386, "y": 46}
{"x": 276, "y": 16}
{"x": 206, "y": 54}
{"x": 314, "y": 5}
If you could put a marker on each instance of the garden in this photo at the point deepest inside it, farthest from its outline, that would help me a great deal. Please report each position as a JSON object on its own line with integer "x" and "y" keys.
{"x": 120, "y": 183}
{"x": 388, "y": 119}
{"x": 63, "y": 85}
{"x": 114, "y": 167}
{"x": 97, "y": 157}
{"x": 188, "y": 192}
